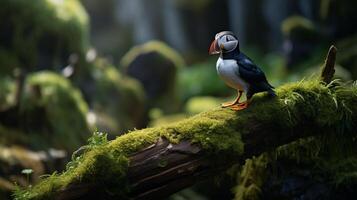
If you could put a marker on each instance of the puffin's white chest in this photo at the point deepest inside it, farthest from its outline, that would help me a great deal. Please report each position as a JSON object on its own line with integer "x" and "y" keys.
{"x": 228, "y": 70}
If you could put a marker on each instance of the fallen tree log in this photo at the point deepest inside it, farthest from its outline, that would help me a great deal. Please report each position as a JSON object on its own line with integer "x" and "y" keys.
{"x": 153, "y": 163}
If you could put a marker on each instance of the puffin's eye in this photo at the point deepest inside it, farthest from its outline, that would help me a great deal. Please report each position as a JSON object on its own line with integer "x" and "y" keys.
{"x": 230, "y": 38}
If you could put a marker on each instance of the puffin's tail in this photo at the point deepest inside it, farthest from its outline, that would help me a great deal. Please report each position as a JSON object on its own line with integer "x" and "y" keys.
{"x": 270, "y": 89}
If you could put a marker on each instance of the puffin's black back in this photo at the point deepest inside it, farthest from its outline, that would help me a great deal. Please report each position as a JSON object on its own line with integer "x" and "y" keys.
{"x": 249, "y": 72}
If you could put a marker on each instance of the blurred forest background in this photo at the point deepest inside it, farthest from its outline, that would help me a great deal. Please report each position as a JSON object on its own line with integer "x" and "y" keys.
{"x": 69, "y": 68}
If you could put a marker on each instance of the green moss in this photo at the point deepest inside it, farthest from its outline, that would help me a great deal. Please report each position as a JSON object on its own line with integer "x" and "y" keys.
{"x": 218, "y": 131}
{"x": 53, "y": 111}
{"x": 251, "y": 178}
{"x": 328, "y": 157}
{"x": 41, "y": 33}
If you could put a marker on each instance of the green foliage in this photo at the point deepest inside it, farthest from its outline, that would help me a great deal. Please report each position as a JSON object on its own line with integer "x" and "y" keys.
{"x": 200, "y": 80}
{"x": 97, "y": 139}
{"x": 218, "y": 132}
{"x": 41, "y": 30}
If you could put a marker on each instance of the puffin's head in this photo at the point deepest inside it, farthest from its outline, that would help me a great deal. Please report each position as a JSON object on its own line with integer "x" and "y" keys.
{"x": 224, "y": 42}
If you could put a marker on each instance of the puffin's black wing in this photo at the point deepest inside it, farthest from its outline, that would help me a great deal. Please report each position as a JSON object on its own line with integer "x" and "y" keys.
{"x": 251, "y": 73}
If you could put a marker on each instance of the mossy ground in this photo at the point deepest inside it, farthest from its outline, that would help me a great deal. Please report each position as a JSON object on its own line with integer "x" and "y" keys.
{"x": 218, "y": 131}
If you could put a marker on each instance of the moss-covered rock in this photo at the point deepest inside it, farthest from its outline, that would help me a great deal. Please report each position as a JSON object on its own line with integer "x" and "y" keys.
{"x": 301, "y": 39}
{"x": 298, "y": 27}
{"x": 53, "y": 112}
{"x": 218, "y": 132}
{"x": 40, "y": 34}
{"x": 155, "y": 65}
{"x": 117, "y": 101}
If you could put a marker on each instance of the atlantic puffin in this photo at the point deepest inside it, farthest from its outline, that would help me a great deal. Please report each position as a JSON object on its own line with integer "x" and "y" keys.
{"x": 237, "y": 70}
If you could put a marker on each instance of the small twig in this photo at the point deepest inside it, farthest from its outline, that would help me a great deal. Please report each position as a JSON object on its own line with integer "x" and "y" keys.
{"x": 328, "y": 69}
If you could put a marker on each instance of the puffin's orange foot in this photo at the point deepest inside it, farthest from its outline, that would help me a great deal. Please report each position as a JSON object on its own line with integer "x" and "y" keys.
{"x": 228, "y": 104}
{"x": 240, "y": 106}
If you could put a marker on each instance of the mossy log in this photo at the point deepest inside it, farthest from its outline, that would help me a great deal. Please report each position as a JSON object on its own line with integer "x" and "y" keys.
{"x": 153, "y": 163}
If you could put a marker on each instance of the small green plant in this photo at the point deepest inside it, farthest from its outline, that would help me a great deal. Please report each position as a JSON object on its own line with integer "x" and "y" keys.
{"x": 27, "y": 172}
{"x": 97, "y": 139}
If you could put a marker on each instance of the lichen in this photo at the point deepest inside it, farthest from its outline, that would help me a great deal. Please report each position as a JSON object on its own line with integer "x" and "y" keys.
{"x": 218, "y": 132}
{"x": 41, "y": 33}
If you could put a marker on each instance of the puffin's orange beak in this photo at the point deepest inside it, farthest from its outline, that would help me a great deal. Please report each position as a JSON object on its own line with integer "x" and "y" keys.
{"x": 214, "y": 48}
